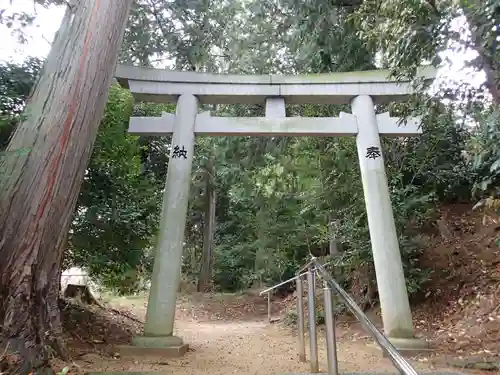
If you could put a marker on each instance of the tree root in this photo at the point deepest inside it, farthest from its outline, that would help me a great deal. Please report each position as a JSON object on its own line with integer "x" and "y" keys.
{"x": 121, "y": 313}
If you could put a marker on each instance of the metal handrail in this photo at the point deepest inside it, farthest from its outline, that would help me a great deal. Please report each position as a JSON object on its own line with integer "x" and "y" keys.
{"x": 397, "y": 359}
{"x": 282, "y": 283}
{"x": 289, "y": 280}
{"x": 269, "y": 290}
{"x": 306, "y": 266}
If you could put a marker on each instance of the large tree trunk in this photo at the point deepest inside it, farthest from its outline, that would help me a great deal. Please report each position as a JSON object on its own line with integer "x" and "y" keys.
{"x": 205, "y": 280}
{"x": 39, "y": 187}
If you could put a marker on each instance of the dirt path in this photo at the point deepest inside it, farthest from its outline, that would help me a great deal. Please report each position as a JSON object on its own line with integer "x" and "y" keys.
{"x": 246, "y": 347}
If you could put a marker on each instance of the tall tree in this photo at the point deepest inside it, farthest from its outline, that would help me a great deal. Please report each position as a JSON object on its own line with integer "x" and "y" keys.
{"x": 40, "y": 188}
{"x": 205, "y": 280}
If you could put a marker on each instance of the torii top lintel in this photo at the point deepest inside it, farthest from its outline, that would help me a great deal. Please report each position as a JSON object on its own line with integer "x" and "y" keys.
{"x": 165, "y": 86}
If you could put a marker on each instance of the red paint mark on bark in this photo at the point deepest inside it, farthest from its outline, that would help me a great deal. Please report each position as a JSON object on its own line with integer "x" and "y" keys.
{"x": 63, "y": 141}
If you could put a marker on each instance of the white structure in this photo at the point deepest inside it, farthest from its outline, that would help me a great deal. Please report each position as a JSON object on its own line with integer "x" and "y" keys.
{"x": 78, "y": 276}
{"x": 361, "y": 89}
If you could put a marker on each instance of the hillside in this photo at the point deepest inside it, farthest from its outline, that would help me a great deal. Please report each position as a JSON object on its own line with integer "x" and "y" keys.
{"x": 459, "y": 310}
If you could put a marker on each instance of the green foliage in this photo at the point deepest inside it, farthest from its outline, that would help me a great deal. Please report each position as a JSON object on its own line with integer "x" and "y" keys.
{"x": 186, "y": 34}
{"x": 117, "y": 214}
{"x": 406, "y": 33}
{"x": 16, "y": 81}
{"x": 485, "y": 152}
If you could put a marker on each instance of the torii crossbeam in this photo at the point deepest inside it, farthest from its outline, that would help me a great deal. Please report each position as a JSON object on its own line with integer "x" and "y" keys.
{"x": 188, "y": 89}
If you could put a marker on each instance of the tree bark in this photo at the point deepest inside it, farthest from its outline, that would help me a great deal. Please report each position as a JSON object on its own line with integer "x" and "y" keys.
{"x": 39, "y": 187}
{"x": 205, "y": 280}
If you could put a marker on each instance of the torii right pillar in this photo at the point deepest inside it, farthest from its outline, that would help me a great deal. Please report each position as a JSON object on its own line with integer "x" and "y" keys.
{"x": 394, "y": 303}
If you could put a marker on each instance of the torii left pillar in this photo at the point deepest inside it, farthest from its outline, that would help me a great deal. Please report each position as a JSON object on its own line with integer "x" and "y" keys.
{"x": 159, "y": 325}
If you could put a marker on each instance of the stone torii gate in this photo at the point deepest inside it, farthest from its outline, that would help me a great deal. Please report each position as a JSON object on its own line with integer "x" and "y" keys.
{"x": 189, "y": 89}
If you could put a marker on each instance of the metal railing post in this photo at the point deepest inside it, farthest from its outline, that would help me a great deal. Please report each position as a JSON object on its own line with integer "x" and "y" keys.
{"x": 396, "y": 358}
{"x": 331, "y": 342}
{"x": 300, "y": 319}
{"x": 313, "y": 341}
{"x": 269, "y": 306}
